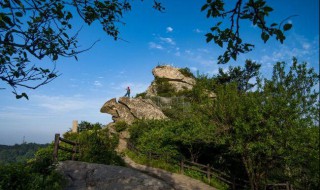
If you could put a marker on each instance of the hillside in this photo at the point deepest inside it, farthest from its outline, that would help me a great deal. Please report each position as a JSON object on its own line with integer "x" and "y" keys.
{"x": 18, "y": 152}
{"x": 257, "y": 130}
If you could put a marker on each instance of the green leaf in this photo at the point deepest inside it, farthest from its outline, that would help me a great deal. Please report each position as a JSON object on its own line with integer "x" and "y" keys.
{"x": 16, "y": 74}
{"x": 25, "y": 95}
{"x": 287, "y": 27}
{"x": 22, "y": 95}
{"x": 18, "y": 14}
{"x": 267, "y": 9}
{"x": 55, "y": 57}
{"x": 204, "y": 7}
{"x": 52, "y": 75}
{"x": 264, "y": 37}
{"x": 274, "y": 24}
{"x": 234, "y": 56}
{"x": 209, "y": 37}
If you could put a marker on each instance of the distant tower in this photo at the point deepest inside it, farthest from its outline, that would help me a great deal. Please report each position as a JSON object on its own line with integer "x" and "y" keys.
{"x": 75, "y": 126}
{"x": 24, "y": 140}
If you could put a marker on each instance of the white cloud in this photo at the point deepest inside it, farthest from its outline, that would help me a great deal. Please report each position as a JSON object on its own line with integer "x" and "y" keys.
{"x": 306, "y": 46}
{"x": 97, "y": 83}
{"x": 296, "y": 46}
{"x": 60, "y": 103}
{"x": 168, "y": 40}
{"x": 169, "y": 29}
{"x": 177, "y": 54}
{"x": 153, "y": 45}
{"x": 203, "y": 50}
{"x": 197, "y": 30}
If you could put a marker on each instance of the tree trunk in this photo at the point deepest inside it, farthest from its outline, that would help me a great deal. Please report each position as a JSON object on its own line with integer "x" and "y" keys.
{"x": 253, "y": 179}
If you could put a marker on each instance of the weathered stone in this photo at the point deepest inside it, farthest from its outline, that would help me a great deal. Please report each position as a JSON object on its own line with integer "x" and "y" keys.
{"x": 128, "y": 110}
{"x": 175, "y": 78}
{"x": 85, "y": 176}
{"x": 118, "y": 111}
{"x": 173, "y": 74}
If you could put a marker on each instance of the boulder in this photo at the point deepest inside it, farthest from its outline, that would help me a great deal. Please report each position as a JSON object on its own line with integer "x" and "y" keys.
{"x": 175, "y": 78}
{"x": 85, "y": 176}
{"x": 129, "y": 109}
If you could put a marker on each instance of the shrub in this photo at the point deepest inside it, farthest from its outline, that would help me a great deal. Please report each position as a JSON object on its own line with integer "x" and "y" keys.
{"x": 37, "y": 175}
{"x": 142, "y": 95}
{"x": 186, "y": 72}
{"x": 84, "y": 125}
{"x": 120, "y": 126}
{"x": 164, "y": 88}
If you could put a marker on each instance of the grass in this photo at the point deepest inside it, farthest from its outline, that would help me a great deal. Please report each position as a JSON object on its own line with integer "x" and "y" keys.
{"x": 144, "y": 160}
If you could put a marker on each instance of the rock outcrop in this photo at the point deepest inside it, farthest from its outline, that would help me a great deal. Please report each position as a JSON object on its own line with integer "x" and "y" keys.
{"x": 85, "y": 176}
{"x": 129, "y": 109}
{"x": 175, "y": 78}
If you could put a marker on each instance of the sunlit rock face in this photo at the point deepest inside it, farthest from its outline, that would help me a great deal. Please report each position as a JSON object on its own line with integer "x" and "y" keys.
{"x": 84, "y": 176}
{"x": 175, "y": 78}
{"x": 129, "y": 109}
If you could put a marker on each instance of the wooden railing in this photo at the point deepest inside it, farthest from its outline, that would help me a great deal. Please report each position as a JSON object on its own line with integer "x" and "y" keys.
{"x": 279, "y": 186}
{"x": 209, "y": 171}
{"x": 57, "y": 140}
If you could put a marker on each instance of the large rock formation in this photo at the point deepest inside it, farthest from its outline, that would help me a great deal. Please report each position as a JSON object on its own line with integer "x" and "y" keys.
{"x": 177, "y": 79}
{"x": 129, "y": 109}
{"x": 84, "y": 176}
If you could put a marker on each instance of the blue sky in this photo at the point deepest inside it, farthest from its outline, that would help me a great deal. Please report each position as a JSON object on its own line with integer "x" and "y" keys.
{"x": 175, "y": 37}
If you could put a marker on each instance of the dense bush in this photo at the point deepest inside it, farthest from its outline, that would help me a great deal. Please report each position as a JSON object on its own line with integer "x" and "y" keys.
{"x": 164, "y": 88}
{"x": 37, "y": 174}
{"x": 120, "y": 126}
{"x": 95, "y": 146}
{"x": 84, "y": 125}
{"x": 186, "y": 72}
{"x": 263, "y": 132}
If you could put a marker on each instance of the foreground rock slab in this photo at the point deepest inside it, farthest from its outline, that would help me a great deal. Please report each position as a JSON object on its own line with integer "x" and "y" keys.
{"x": 85, "y": 176}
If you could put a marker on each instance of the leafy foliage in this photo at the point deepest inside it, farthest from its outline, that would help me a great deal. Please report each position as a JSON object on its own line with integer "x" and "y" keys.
{"x": 266, "y": 134}
{"x": 38, "y": 173}
{"x": 120, "y": 126}
{"x": 241, "y": 76}
{"x": 96, "y": 146}
{"x": 84, "y": 126}
{"x": 267, "y": 127}
{"x": 164, "y": 88}
{"x": 255, "y": 11}
{"x": 186, "y": 72}
{"x": 20, "y": 177}
{"x": 42, "y": 29}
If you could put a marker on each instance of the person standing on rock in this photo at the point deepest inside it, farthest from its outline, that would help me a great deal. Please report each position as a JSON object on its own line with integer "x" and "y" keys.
{"x": 128, "y": 92}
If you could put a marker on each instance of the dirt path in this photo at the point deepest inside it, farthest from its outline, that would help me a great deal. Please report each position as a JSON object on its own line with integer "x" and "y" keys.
{"x": 177, "y": 181}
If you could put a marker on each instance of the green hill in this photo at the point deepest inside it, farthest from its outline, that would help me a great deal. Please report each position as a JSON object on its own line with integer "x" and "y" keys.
{"x": 18, "y": 152}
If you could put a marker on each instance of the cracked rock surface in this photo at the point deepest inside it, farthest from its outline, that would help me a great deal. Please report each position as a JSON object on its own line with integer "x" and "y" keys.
{"x": 175, "y": 78}
{"x": 85, "y": 176}
{"x": 129, "y": 109}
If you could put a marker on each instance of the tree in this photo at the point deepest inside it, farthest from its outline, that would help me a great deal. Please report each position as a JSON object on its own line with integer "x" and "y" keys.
{"x": 85, "y": 125}
{"x": 273, "y": 128}
{"x": 255, "y": 11}
{"x": 241, "y": 76}
{"x": 41, "y": 29}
